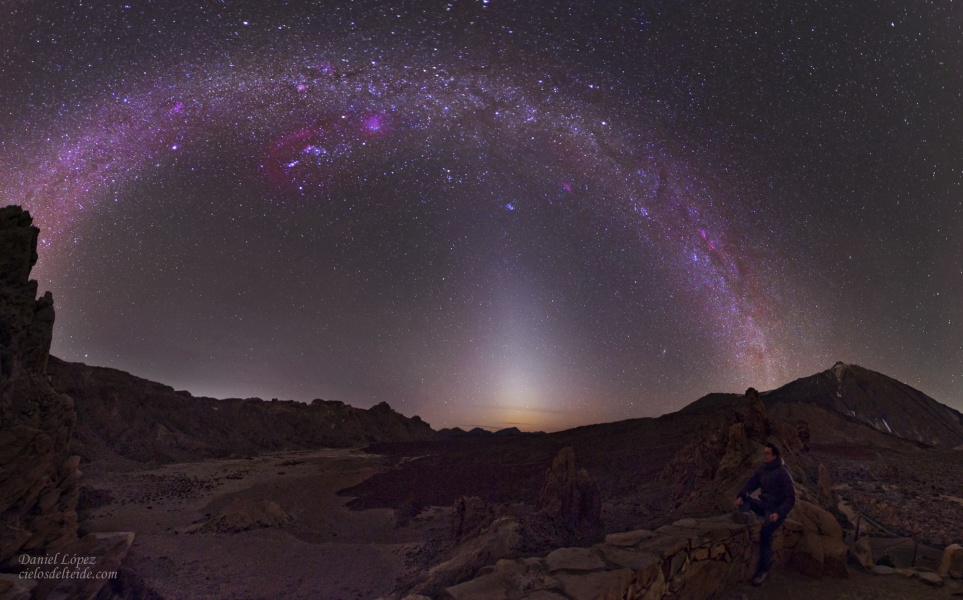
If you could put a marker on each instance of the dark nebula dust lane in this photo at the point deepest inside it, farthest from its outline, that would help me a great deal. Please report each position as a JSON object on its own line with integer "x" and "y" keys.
{"x": 489, "y": 214}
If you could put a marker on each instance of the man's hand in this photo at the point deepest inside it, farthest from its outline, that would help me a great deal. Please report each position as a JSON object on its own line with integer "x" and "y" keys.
{"x": 773, "y": 517}
{"x": 738, "y": 502}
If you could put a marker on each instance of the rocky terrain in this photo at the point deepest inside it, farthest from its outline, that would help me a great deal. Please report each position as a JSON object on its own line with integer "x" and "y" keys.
{"x": 243, "y": 498}
{"x": 899, "y": 491}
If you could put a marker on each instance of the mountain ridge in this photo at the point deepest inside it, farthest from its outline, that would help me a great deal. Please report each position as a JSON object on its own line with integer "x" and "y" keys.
{"x": 123, "y": 415}
{"x": 857, "y": 394}
{"x": 120, "y": 415}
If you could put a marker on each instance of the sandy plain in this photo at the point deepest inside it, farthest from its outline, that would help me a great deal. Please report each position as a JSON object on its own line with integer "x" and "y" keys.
{"x": 325, "y": 551}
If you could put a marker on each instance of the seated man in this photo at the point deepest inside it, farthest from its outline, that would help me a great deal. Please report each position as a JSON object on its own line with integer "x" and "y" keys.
{"x": 776, "y": 500}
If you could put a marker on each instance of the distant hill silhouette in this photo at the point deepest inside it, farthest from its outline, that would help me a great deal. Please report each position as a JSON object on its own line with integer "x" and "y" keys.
{"x": 121, "y": 415}
{"x": 458, "y": 432}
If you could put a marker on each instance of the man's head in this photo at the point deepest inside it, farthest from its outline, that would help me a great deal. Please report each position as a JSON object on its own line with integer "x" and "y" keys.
{"x": 770, "y": 453}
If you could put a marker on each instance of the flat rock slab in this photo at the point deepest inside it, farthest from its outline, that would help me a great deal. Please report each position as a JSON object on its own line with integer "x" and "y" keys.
{"x": 630, "y": 559}
{"x": 628, "y": 538}
{"x": 574, "y": 559}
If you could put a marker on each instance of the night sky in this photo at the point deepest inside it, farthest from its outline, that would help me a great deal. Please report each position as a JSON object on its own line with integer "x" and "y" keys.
{"x": 491, "y": 213}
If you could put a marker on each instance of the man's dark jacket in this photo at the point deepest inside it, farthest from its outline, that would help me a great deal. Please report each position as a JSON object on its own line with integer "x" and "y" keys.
{"x": 778, "y": 491}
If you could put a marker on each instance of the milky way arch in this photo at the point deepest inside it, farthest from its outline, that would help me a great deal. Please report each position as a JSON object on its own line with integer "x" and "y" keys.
{"x": 325, "y": 123}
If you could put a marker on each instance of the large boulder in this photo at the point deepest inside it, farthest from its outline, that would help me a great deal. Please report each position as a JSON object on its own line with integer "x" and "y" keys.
{"x": 951, "y": 565}
{"x": 818, "y": 547}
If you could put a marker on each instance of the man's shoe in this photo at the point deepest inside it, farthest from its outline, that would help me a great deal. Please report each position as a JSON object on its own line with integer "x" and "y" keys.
{"x": 760, "y": 578}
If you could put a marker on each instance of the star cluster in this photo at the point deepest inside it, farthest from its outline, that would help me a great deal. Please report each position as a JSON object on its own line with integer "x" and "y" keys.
{"x": 489, "y": 214}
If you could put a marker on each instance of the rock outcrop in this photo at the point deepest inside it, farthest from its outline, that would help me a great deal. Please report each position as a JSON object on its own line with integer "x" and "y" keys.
{"x": 571, "y": 499}
{"x": 38, "y": 476}
{"x": 469, "y": 515}
{"x": 500, "y": 540}
{"x": 757, "y": 424}
{"x": 38, "y": 479}
{"x": 706, "y": 474}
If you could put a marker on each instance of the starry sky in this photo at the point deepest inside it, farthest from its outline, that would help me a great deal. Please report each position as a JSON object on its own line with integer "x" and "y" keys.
{"x": 492, "y": 213}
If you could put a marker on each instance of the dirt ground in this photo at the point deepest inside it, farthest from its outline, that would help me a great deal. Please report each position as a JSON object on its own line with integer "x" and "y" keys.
{"x": 328, "y": 551}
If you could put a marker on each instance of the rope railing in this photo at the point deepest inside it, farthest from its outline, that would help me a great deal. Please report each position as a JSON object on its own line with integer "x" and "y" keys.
{"x": 902, "y": 539}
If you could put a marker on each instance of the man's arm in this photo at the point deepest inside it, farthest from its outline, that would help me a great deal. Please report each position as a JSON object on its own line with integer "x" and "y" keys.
{"x": 789, "y": 494}
{"x": 751, "y": 485}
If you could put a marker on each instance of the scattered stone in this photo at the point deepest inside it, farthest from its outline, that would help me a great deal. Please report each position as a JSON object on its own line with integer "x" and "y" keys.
{"x": 882, "y": 570}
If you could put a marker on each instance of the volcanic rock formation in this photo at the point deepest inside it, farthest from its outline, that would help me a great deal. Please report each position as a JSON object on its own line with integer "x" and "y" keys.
{"x": 571, "y": 498}
{"x": 705, "y": 475}
{"x": 38, "y": 479}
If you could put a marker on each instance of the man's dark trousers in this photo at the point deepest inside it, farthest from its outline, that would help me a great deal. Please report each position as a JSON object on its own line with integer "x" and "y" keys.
{"x": 765, "y": 534}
